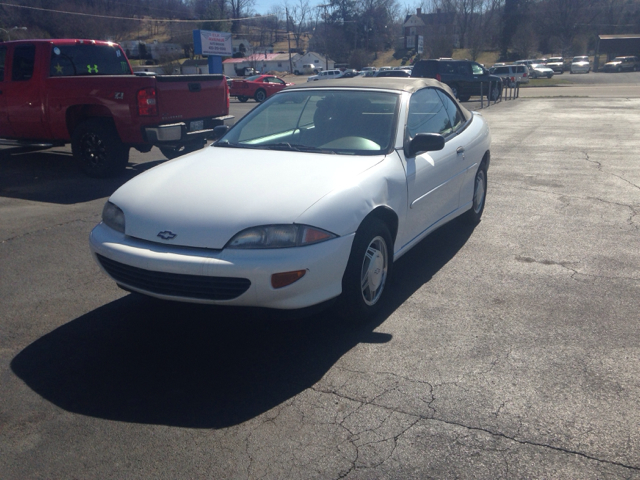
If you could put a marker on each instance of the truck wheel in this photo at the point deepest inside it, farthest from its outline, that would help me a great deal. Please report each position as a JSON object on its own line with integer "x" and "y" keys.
{"x": 175, "y": 152}
{"x": 260, "y": 96}
{"x": 98, "y": 149}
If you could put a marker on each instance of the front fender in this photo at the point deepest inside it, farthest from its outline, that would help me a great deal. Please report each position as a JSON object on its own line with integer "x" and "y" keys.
{"x": 342, "y": 210}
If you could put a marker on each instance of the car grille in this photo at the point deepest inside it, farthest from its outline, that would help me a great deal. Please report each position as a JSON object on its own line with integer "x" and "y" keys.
{"x": 175, "y": 284}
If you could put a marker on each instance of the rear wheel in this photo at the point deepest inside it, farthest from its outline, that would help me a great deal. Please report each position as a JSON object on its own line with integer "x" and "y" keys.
{"x": 494, "y": 94}
{"x": 97, "y": 147}
{"x": 472, "y": 216}
{"x": 367, "y": 272}
{"x": 260, "y": 96}
{"x": 464, "y": 98}
{"x": 455, "y": 90}
{"x": 242, "y": 98}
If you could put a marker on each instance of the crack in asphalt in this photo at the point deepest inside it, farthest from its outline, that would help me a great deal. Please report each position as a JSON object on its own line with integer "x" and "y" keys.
{"x": 599, "y": 165}
{"x": 420, "y": 417}
{"x": 27, "y": 234}
{"x": 573, "y": 271}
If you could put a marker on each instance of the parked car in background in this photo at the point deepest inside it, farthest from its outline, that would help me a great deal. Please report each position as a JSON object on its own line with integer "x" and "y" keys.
{"x": 580, "y": 64}
{"x": 258, "y": 87}
{"x": 465, "y": 78}
{"x": 539, "y": 70}
{"x": 622, "y": 64}
{"x": 310, "y": 197}
{"x": 556, "y": 64}
{"x": 392, "y": 73}
{"x": 325, "y": 75}
{"x": 512, "y": 75}
{"x": 83, "y": 92}
{"x": 309, "y": 69}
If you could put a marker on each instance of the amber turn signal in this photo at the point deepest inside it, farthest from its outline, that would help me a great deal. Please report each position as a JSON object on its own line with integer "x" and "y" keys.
{"x": 279, "y": 280}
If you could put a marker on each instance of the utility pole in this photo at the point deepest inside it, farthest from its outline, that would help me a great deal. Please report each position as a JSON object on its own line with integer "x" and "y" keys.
{"x": 288, "y": 40}
{"x": 326, "y": 56}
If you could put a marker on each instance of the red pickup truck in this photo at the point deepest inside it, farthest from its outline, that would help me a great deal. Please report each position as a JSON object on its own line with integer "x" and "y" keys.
{"x": 83, "y": 92}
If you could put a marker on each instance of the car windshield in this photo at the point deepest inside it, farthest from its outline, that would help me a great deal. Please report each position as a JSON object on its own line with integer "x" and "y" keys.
{"x": 580, "y": 59}
{"x": 326, "y": 121}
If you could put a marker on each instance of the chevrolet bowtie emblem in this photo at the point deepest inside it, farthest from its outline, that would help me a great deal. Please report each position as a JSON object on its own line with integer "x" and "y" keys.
{"x": 167, "y": 235}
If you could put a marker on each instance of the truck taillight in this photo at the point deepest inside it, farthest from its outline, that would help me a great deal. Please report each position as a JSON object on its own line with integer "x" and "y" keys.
{"x": 147, "y": 102}
{"x": 438, "y": 77}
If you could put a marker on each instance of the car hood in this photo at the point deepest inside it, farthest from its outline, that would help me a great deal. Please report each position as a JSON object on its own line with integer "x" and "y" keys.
{"x": 205, "y": 198}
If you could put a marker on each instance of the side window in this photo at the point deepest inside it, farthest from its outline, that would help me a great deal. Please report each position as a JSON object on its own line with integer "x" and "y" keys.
{"x": 3, "y": 56}
{"x": 23, "y": 62}
{"x": 477, "y": 69}
{"x": 455, "y": 115}
{"x": 427, "y": 114}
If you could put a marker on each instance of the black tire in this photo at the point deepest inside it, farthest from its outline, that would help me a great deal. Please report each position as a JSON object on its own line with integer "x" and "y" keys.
{"x": 473, "y": 216}
{"x": 549, "y": 75}
{"x": 242, "y": 98}
{"x": 296, "y": 72}
{"x": 370, "y": 265}
{"x": 619, "y": 69}
{"x": 175, "y": 152}
{"x": 494, "y": 94}
{"x": 454, "y": 88}
{"x": 464, "y": 98}
{"x": 97, "y": 148}
{"x": 260, "y": 96}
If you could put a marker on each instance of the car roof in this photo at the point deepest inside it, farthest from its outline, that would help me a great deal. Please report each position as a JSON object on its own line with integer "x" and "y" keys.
{"x": 405, "y": 84}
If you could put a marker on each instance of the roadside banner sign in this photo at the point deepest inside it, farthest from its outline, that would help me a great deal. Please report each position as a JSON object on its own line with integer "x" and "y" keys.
{"x": 212, "y": 43}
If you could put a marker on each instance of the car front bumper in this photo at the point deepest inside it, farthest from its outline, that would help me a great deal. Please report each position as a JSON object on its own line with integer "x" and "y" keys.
{"x": 183, "y": 274}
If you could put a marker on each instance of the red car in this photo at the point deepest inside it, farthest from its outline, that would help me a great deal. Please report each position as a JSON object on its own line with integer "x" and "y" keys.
{"x": 258, "y": 87}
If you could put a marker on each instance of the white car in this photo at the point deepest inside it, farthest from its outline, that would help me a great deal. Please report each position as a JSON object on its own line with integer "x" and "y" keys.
{"x": 310, "y": 197}
{"x": 538, "y": 70}
{"x": 580, "y": 65}
{"x": 325, "y": 75}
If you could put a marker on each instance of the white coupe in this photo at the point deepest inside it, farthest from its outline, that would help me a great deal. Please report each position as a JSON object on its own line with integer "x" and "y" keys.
{"x": 310, "y": 197}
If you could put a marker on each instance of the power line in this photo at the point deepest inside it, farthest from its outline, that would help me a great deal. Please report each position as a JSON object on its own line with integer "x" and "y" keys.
{"x": 142, "y": 19}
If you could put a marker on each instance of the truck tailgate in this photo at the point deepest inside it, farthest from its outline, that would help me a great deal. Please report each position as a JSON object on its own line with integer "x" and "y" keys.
{"x": 199, "y": 95}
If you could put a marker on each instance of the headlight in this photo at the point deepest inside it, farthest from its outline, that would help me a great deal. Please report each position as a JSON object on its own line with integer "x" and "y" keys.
{"x": 113, "y": 217}
{"x": 279, "y": 236}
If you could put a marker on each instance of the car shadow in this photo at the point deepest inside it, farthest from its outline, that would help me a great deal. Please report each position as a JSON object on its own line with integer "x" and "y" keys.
{"x": 53, "y": 176}
{"x": 146, "y": 361}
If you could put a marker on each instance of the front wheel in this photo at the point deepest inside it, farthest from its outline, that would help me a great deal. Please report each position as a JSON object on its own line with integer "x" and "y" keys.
{"x": 464, "y": 98}
{"x": 242, "y": 98}
{"x": 260, "y": 96}
{"x": 368, "y": 270}
{"x": 472, "y": 217}
{"x": 97, "y": 147}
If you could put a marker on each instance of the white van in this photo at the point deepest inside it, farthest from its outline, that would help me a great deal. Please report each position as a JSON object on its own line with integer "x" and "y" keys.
{"x": 308, "y": 69}
{"x": 327, "y": 74}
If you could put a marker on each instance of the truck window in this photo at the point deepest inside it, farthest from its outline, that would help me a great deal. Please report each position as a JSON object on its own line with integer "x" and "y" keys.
{"x": 87, "y": 59}
{"x": 24, "y": 58}
{"x": 3, "y": 56}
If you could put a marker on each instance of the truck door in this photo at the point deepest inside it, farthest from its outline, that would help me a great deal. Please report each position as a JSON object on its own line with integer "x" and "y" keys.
{"x": 5, "y": 131}
{"x": 22, "y": 95}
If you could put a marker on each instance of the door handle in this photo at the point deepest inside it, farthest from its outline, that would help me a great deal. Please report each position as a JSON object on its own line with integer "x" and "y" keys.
{"x": 460, "y": 150}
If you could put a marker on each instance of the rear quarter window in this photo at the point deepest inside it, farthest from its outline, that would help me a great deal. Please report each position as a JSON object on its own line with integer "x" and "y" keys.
{"x": 87, "y": 59}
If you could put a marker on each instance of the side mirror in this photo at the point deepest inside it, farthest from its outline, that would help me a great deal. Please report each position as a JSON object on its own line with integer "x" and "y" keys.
{"x": 219, "y": 131}
{"x": 424, "y": 142}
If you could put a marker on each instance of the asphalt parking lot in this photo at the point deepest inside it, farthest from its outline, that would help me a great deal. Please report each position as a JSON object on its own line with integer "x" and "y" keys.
{"x": 511, "y": 350}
